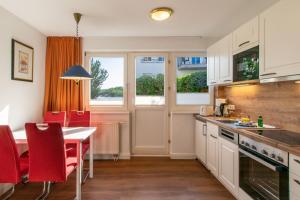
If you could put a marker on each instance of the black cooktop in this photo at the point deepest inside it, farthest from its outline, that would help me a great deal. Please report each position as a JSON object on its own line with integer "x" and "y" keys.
{"x": 284, "y": 136}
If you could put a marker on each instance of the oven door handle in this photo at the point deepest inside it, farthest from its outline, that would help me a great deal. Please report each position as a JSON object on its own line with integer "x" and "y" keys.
{"x": 261, "y": 161}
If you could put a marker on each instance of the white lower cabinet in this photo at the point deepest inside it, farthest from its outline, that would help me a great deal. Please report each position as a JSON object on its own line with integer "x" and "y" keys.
{"x": 212, "y": 148}
{"x": 200, "y": 141}
{"x": 294, "y": 177}
{"x": 229, "y": 165}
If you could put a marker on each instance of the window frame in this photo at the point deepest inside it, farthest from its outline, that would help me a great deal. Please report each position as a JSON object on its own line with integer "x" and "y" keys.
{"x": 87, "y": 85}
{"x": 173, "y": 83}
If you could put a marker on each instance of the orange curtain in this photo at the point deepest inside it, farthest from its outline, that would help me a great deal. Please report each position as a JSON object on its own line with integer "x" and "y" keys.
{"x": 62, "y": 95}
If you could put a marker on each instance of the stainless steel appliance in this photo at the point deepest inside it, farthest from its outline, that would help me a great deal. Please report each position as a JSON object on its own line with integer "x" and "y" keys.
{"x": 229, "y": 135}
{"x": 264, "y": 173}
{"x": 219, "y": 109}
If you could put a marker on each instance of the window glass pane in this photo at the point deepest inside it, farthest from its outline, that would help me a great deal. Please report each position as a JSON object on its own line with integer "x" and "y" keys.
{"x": 108, "y": 81}
{"x": 191, "y": 80}
{"x": 150, "y": 78}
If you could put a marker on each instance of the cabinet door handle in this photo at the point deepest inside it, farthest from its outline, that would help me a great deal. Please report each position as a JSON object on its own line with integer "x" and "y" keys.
{"x": 297, "y": 161}
{"x": 242, "y": 44}
{"x": 213, "y": 136}
{"x": 212, "y": 82}
{"x": 204, "y": 130}
{"x": 227, "y": 80}
{"x": 267, "y": 74}
{"x": 297, "y": 181}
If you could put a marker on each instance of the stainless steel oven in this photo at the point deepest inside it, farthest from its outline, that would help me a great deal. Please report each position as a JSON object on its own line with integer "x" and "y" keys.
{"x": 264, "y": 171}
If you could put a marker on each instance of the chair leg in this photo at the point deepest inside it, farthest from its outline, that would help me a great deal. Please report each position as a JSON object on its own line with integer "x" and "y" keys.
{"x": 43, "y": 193}
{"x": 84, "y": 176}
{"x": 48, "y": 191}
{"x": 12, "y": 190}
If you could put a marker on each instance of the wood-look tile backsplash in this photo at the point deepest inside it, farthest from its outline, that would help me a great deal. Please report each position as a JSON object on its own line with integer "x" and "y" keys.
{"x": 277, "y": 103}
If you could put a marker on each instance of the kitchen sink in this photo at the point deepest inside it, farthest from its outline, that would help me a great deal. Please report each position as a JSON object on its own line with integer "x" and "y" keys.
{"x": 227, "y": 121}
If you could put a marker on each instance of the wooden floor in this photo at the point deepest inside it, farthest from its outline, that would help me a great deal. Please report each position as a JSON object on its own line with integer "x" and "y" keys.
{"x": 138, "y": 179}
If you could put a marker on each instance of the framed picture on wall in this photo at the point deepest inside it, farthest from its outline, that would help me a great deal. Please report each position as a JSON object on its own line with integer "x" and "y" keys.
{"x": 22, "y": 62}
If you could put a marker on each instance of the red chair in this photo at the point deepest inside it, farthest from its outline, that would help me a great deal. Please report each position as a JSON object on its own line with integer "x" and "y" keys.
{"x": 48, "y": 161}
{"x": 79, "y": 119}
{"x": 55, "y": 117}
{"x": 14, "y": 168}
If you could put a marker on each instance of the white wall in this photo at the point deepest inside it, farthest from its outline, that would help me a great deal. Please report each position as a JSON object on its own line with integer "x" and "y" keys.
{"x": 146, "y": 43}
{"x": 20, "y": 102}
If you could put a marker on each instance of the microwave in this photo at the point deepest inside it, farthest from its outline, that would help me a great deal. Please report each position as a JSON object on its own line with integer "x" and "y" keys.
{"x": 246, "y": 65}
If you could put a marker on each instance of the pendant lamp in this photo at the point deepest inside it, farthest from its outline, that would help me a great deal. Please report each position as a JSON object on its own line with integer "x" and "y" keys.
{"x": 76, "y": 72}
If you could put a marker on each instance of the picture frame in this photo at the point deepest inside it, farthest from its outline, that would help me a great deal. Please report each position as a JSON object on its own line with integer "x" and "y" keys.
{"x": 22, "y": 61}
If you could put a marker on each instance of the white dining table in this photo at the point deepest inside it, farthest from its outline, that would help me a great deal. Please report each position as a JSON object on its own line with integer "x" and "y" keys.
{"x": 74, "y": 135}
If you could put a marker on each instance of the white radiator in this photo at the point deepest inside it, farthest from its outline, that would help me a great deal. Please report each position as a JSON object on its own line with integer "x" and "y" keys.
{"x": 107, "y": 139}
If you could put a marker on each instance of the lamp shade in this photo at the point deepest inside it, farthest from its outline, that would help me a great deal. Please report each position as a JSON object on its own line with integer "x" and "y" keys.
{"x": 76, "y": 72}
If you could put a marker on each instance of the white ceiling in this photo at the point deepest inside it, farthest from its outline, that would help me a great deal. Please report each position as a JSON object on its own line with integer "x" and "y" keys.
{"x": 207, "y": 18}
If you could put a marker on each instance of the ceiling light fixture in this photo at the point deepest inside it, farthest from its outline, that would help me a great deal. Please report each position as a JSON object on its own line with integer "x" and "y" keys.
{"x": 160, "y": 14}
{"x": 77, "y": 72}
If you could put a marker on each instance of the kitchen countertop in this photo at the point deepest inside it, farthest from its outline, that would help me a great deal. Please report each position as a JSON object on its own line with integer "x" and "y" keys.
{"x": 243, "y": 131}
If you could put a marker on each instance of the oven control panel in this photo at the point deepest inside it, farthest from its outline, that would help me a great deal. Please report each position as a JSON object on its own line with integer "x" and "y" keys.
{"x": 264, "y": 149}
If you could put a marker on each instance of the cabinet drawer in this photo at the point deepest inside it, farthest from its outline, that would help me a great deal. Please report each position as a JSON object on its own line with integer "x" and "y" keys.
{"x": 212, "y": 129}
{"x": 294, "y": 183}
{"x": 295, "y": 164}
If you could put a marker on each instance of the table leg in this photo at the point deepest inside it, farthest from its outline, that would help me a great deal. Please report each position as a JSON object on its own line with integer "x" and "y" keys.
{"x": 79, "y": 171}
{"x": 91, "y": 163}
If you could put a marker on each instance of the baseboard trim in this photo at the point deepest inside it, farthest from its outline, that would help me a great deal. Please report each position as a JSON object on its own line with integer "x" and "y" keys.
{"x": 187, "y": 156}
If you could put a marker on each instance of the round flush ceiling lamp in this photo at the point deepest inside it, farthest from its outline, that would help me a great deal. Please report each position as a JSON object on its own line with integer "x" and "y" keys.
{"x": 160, "y": 14}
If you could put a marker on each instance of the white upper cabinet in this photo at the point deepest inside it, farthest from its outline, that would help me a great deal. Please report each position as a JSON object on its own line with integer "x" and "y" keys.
{"x": 219, "y": 63}
{"x": 225, "y": 59}
{"x": 280, "y": 40}
{"x": 246, "y": 36}
{"x": 212, "y": 61}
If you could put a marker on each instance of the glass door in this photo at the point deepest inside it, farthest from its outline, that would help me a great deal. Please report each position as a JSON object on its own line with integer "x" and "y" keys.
{"x": 148, "y": 90}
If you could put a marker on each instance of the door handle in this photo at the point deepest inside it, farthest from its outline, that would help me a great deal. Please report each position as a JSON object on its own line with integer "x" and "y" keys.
{"x": 204, "y": 130}
{"x": 242, "y": 44}
{"x": 297, "y": 161}
{"x": 268, "y": 74}
{"x": 213, "y": 136}
{"x": 297, "y": 181}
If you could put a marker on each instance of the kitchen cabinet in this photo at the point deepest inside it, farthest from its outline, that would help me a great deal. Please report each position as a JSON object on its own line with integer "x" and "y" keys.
{"x": 294, "y": 177}
{"x": 212, "y": 65}
{"x": 246, "y": 36}
{"x": 229, "y": 165}
{"x": 200, "y": 141}
{"x": 279, "y": 40}
{"x": 220, "y": 61}
{"x": 212, "y": 148}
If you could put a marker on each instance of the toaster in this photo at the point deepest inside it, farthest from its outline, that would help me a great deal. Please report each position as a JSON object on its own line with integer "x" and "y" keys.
{"x": 206, "y": 110}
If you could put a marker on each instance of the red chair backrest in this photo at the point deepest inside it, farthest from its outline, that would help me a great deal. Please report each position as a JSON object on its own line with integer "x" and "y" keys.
{"x": 55, "y": 117}
{"x": 79, "y": 119}
{"x": 47, "y": 154}
{"x": 10, "y": 161}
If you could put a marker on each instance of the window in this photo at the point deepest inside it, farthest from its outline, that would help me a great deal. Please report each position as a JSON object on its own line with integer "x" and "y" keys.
{"x": 107, "y": 85}
{"x": 150, "y": 80}
{"x": 191, "y": 80}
